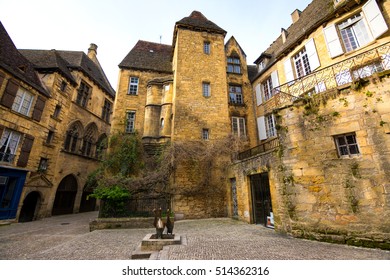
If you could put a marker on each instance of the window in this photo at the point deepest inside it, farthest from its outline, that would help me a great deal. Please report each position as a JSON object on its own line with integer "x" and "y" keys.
{"x": 89, "y": 140}
{"x": 83, "y": 94}
{"x": 206, "y": 47}
{"x": 50, "y": 137}
{"x": 106, "y": 110}
{"x": 57, "y": 111}
{"x": 235, "y": 95}
{"x": 162, "y": 123}
{"x": 133, "y": 86}
{"x": 8, "y": 144}
{"x": 270, "y": 126}
{"x": 267, "y": 88}
{"x": 301, "y": 62}
{"x": 354, "y": 33}
{"x": 238, "y": 126}
{"x": 266, "y": 126}
{"x": 71, "y": 139}
{"x": 233, "y": 65}
{"x": 206, "y": 89}
{"x": 23, "y": 101}
{"x": 63, "y": 86}
{"x": 205, "y": 134}
{"x": 43, "y": 165}
{"x": 130, "y": 122}
{"x": 347, "y": 145}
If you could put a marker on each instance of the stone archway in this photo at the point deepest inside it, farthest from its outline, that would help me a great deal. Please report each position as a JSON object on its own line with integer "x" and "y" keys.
{"x": 65, "y": 196}
{"x": 87, "y": 203}
{"x": 30, "y": 207}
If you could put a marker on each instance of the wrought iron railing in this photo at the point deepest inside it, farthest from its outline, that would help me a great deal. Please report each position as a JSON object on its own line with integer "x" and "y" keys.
{"x": 262, "y": 148}
{"x": 337, "y": 75}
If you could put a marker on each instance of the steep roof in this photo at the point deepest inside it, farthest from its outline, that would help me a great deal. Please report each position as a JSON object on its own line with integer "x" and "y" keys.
{"x": 15, "y": 63}
{"x": 197, "y": 21}
{"x": 65, "y": 62}
{"x": 315, "y": 14}
{"x": 149, "y": 56}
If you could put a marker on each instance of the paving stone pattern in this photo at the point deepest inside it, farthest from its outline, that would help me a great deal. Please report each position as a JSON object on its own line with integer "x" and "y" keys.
{"x": 68, "y": 238}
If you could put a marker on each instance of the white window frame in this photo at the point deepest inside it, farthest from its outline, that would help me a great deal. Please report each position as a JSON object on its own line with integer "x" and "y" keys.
{"x": 133, "y": 84}
{"x": 372, "y": 18}
{"x": 9, "y": 141}
{"x": 130, "y": 122}
{"x": 206, "y": 47}
{"x": 23, "y": 102}
{"x": 238, "y": 126}
{"x": 206, "y": 89}
{"x": 266, "y": 127}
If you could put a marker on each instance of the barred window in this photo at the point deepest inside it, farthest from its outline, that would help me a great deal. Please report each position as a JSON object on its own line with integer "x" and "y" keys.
{"x": 206, "y": 47}
{"x": 347, "y": 145}
{"x": 205, "y": 134}
{"x": 206, "y": 89}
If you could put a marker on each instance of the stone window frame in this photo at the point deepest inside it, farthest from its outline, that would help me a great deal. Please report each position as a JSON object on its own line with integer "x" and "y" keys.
{"x": 233, "y": 66}
{"x": 206, "y": 47}
{"x": 205, "y": 134}
{"x": 133, "y": 85}
{"x": 83, "y": 94}
{"x": 23, "y": 102}
{"x": 239, "y": 126}
{"x": 206, "y": 89}
{"x": 130, "y": 121}
{"x": 347, "y": 145}
{"x": 106, "y": 110}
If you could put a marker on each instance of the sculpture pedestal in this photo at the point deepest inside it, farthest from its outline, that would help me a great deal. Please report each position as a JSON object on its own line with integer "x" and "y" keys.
{"x": 151, "y": 245}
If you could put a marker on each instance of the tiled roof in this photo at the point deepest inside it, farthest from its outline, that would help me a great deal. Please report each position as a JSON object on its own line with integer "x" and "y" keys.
{"x": 65, "y": 61}
{"x": 15, "y": 63}
{"x": 149, "y": 56}
{"x": 315, "y": 14}
{"x": 198, "y": 21}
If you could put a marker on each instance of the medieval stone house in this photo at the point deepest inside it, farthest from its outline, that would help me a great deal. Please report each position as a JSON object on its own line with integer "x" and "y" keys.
{"x": 55, "y": 118}
{"x": 321, "y": 169}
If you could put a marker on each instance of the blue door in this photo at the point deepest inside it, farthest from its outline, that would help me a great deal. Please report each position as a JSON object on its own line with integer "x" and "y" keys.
{"x": 11, "y": 185}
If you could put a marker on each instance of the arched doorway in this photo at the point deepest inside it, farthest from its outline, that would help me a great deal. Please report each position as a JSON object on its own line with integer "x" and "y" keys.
{"x": 29, "y": 208}
{"x": 87, "y": 203}
{"x": 65, "y": 196}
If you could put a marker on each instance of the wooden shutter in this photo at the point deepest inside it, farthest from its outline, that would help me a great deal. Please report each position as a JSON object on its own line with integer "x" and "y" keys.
{"x": 38, "y": 109}
{"x": 288, "y": 70}
{"x": 312, "y": 54}
{"x": 332, "y": 41}
{"x": 261, "y": 127}
{"x": 259, "y": 99}
{"x": 275, "y": 79}
{"x": 9, "y": 94}
{"x": 25, "y": 151}
{"x": 374, "y": 18}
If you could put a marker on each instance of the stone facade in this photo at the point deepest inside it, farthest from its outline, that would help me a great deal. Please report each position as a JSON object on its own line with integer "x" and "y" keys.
{"x": 183, "y": 98}
{"x": 64, "y": 129}
{"x": 315, "y": 92}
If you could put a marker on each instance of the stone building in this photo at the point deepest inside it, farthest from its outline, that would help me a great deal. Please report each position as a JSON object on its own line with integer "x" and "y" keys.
{"x": 56, "y": 111}
{"x": 195, "y": 91}
{"x": 321, "y": 167}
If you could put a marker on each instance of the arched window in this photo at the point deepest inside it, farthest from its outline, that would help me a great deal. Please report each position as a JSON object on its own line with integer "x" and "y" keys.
{"x": 72, "y": 137}
{"x": 89, "y": 140}
{"x": 101, "y": 146}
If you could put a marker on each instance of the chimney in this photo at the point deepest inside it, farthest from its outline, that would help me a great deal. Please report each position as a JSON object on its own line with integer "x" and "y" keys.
{"x": 92, "y": 51}
{"x": 295, "y": 15}
{"x": 284, "y": 35}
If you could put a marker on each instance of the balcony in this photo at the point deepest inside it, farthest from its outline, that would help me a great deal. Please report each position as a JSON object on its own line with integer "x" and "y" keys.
{"x": 260, "y": 149}
{"x": 336, "y": 76}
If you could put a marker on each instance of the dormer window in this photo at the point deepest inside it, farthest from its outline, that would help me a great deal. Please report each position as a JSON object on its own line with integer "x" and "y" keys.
{"x": 233, "y": 65}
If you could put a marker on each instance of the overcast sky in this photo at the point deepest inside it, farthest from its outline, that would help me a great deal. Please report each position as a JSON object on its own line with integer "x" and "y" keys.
{"x": 116, "y": 25}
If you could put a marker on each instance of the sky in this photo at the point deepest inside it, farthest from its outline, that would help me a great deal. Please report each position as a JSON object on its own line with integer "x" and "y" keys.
{"x": 115, "y": 26}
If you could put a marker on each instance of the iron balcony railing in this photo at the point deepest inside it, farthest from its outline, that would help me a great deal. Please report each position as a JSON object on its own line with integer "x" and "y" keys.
{"x": 337, "y": 75}
{"x": 262, "y": 148}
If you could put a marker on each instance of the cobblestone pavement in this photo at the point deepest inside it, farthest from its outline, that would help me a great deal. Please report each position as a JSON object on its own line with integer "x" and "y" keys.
{"x": 67, "y": 237}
